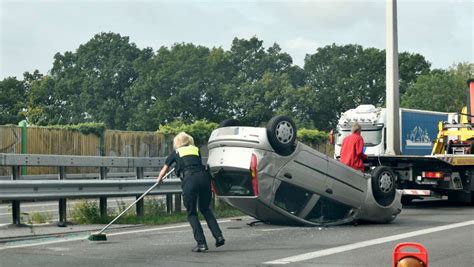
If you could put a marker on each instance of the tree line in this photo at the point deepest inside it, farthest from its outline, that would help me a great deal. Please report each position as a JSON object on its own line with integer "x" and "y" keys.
{"x": 110, "y": 80}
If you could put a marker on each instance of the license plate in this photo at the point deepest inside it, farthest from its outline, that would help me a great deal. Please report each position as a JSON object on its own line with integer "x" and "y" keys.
{"x": 228, "y": 131}
{"x": 429, "y": 182}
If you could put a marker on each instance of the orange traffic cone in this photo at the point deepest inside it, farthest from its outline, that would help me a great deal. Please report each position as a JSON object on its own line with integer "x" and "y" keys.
{"x": 410, "y": 259}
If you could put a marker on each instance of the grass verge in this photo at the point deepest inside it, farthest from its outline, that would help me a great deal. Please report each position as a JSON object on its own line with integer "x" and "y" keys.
{"x": 87, "y": 212}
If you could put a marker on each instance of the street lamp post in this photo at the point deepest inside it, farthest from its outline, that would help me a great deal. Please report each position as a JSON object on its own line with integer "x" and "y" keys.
{"x": 392, "y": 91}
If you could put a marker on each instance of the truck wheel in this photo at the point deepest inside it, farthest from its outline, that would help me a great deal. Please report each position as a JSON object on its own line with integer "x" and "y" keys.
{"x": 228, "y": 123}
{"x": 383, "y": 185}
{"x": 281, "y": 133}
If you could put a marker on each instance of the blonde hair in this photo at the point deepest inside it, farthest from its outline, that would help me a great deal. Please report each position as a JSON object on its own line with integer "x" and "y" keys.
{"x": 355, "y": 127}
{"x": 182, "y": 139}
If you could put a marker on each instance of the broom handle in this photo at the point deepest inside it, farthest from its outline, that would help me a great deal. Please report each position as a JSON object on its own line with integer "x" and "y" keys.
{"x": 138, "y": 199}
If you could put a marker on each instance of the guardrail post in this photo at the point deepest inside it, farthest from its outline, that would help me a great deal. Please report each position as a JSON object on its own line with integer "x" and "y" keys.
{"x": 177, "y": 202}
{"x": 140, "y": 204}
{"x": 16, "y": 218}
{"x": 24, "y": 135}
{"x": 169, "y": 203}
{"x": 62, "y": 201}
{"x": 103, "y": 200}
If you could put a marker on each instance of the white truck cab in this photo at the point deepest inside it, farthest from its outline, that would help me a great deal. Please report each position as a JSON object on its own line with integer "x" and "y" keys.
{"x": 372, "y": 122}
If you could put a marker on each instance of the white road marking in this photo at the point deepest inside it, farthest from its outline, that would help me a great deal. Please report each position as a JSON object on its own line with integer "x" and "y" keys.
{"x": 84, "y": 237}
{"x": 112, "y": 204}
{"x": 34, "y": 205}
{"x": 276, "y": 229}
{"x": 110, "y": 200}
{"x": 63, "y": 240}
{"x": 335, "y": 250}
{"x": 40, "y": 211}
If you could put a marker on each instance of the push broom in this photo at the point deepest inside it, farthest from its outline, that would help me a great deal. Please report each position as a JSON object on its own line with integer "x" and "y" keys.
{"x": 100, "y": 236}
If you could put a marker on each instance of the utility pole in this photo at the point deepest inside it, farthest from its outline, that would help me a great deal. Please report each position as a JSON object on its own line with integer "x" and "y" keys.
{"x": 392, "y": 91}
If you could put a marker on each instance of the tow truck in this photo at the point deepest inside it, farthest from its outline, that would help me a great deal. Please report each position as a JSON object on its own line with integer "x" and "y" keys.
{"x": 448, "y": 172}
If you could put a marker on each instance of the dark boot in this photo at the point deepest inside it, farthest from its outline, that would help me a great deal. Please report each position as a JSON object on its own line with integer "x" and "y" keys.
{"x": 200, "y": 248}
{"x": 220, "y": 241}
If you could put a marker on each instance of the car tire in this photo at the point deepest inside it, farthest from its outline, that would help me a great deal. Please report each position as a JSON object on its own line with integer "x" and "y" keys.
{"x": 281, "y": 133}
{"x": 229, "y": 123}
{"x": 383, "y": 185}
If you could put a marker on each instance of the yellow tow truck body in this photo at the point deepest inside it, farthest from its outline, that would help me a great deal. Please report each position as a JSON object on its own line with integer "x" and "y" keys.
{"x": 451, "y": 135}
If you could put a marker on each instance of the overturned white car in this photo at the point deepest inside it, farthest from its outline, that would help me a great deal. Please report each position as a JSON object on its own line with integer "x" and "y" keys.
{"x": 266, "y": 174}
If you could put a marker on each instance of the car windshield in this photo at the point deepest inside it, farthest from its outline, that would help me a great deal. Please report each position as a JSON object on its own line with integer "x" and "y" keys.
{"x": 371, "y": 137}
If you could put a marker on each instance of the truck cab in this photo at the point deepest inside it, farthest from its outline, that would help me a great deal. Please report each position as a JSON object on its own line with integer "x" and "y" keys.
{"x": 372, "y": 122}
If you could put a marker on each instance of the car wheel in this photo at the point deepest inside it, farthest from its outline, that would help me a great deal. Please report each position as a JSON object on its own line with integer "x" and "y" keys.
{"x": 383, "y": 185}
{"x": 281, "y": 133}
{"x": 229, "y": 123}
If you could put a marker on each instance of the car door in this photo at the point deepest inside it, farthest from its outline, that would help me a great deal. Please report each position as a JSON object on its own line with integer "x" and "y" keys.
{"x": 307, "y": 170}
{"x": 345, "y": 184}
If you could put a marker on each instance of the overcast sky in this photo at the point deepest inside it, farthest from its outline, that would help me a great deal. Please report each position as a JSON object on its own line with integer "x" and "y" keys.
{"x": 32, "y": 31}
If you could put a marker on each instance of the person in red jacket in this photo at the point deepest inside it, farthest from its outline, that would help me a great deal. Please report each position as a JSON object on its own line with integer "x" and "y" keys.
{"x": 352, "y": 150}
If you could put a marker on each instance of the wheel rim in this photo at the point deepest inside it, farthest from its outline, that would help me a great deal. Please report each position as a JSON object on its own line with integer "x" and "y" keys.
{"x": 284, "y": 132}
{"x": 386, "y": 182}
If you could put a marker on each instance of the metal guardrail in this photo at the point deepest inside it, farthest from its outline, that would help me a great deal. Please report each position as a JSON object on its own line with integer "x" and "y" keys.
{"x": 78, "y": 161}
{"x": 76, "y": 176}
{"x": 19, "y": 189}
{"x": 50, "y": 190}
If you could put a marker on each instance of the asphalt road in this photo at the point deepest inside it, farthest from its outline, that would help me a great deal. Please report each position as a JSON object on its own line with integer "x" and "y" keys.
{"x": 445, "y": 229}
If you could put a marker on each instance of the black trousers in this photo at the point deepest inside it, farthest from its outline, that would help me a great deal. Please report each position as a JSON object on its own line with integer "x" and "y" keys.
{"x": 197, "y": 193}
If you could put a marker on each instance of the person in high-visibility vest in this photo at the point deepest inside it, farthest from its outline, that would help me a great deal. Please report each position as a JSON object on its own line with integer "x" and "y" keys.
{"x": 196, "y": 185}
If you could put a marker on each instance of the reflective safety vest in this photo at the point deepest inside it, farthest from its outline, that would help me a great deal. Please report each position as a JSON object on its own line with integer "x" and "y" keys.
{"x": 189, "y": 159}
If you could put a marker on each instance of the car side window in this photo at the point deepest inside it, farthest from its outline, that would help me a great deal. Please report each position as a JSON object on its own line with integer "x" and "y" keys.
{"x": 327, "y": 210}
{"x": 291, "y": 198}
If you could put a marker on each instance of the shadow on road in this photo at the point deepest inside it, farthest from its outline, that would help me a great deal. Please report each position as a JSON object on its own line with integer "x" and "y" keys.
{"x": 434, "y": 204}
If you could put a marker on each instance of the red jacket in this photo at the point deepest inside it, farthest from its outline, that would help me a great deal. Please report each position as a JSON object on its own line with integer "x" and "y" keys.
{"x": 352, "y": 151}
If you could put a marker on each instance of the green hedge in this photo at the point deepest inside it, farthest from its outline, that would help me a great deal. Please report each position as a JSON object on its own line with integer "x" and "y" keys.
{"x": 312, "y": 136}
{"x": 200, "y": 130}
{"x": 84, "y": 128}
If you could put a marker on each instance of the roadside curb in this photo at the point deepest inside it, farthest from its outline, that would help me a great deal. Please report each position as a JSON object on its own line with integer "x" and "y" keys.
{"x": 25, "y": 237}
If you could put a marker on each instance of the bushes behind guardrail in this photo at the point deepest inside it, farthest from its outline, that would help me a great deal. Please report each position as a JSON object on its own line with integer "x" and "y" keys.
{"x": 312, "y": 136}
{"x": 201, "y": 130}
{"x": 97, "y": 129}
